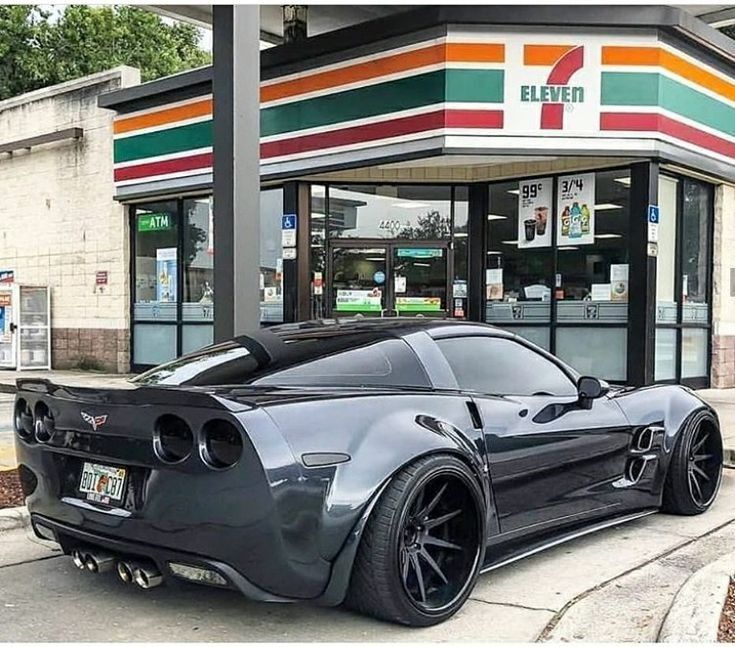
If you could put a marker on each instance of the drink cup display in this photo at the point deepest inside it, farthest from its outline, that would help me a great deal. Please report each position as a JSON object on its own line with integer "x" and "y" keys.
{"x": 542, "y": 216}
{"x": 530, "y": 226}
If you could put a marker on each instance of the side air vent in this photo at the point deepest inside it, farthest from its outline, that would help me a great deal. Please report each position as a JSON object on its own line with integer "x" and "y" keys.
{"x": 635, "y": 469}
{"x": 643, "y": 439}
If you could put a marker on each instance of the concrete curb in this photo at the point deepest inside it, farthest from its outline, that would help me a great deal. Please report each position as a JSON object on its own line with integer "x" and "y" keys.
{"x": 694, "y": 615}
{"x": 12, "y": 518}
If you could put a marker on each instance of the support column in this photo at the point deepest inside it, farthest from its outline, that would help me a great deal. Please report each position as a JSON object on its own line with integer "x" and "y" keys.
{"x": 236, "y": 83}
{"x": 477, "y": 237}
{"x": 641, "y": 276}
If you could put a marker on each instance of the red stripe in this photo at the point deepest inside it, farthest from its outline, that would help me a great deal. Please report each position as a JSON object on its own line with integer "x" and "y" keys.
{"x": 384, "y": 129}
{"x": 643, "y": 121}
{"x": 552, "y": 114}
{"x": 201, "y": 161}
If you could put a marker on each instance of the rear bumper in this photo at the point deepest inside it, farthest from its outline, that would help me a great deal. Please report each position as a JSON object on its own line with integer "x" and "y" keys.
{"x": 69, "y": 538}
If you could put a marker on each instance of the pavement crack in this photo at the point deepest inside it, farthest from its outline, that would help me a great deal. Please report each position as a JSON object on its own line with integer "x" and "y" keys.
{"x": 511, "y": 604}
{"x": 558, "y": 615}
{"x": 31, "y": 561}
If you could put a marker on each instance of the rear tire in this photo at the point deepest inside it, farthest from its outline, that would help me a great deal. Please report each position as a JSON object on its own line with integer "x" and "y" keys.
{"x": 695, "y": 470}
{"x": 423, "y": 545}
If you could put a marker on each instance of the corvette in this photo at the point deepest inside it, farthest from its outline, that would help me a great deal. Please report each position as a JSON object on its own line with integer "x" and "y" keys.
{"x": 382, "y": 463}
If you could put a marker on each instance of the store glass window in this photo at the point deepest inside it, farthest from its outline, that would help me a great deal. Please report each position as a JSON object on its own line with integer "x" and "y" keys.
{"x": 695, "y": 268}
{"x": 683, "y": 270}
{"x": 271, "y": 256}
{"x": 518, "y": 275}
{"x": 156, "y": 282}
{"x": 197, "y": 308}
{"x": 417, "y": 212}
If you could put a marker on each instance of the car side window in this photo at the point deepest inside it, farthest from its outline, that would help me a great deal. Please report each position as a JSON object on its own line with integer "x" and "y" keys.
{"x": 500, "y": 366}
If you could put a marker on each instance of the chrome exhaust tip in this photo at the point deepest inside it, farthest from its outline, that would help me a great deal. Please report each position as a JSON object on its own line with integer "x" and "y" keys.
{"x": 78, "y": 559}
{"x": 99, "y": 562}
{"x": 125, "y": 571}
{"x": 147, "y": 577}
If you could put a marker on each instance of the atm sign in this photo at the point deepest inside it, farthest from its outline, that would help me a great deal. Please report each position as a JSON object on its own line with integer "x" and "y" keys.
{"x": 155, "y": 222}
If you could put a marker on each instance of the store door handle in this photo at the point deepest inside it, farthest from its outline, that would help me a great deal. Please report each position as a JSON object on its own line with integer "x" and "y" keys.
{"x": 13, "y": 327}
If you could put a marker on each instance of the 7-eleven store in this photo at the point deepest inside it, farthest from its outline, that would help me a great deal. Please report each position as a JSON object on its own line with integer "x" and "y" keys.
{"x": 569, "y": 181}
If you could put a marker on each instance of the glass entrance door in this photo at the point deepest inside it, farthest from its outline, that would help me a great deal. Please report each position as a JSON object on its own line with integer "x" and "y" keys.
{"x": 358, "y": 278}
{"x": 420, "y": 281}
{"x": 394, "y": 279}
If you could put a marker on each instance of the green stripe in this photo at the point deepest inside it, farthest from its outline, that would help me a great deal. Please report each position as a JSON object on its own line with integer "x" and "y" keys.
{"x": 370, "y": 101}
{"x": 651, "y": 89}
{"x": 164, "y": 142}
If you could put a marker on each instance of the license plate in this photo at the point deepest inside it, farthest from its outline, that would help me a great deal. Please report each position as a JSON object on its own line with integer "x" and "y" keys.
{"x": 103, "y": 484}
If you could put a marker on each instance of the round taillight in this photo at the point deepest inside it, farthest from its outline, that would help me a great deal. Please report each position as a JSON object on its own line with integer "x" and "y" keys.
{"x": 44, "y": 425}
{"x": 23, "y": 419}
{"x": 220, "y": 444}
{"x": 172, "y": 439}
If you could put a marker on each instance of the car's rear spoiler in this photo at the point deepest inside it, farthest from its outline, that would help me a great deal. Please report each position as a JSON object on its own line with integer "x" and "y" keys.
{"x": 127, "y": 393}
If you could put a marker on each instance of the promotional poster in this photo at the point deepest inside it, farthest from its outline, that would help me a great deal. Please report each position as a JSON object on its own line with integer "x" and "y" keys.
{"x": 576, "y": 209}
{"x": 534, "y": 213}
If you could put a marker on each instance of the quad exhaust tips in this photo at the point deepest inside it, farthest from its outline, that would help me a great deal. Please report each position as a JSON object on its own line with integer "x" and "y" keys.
{"x": 146, "y": 576}
{"x": 95, "y": 561}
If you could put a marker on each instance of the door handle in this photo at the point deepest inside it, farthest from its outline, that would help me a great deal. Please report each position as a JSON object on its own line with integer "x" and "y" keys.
{"x": 13, "y": 327}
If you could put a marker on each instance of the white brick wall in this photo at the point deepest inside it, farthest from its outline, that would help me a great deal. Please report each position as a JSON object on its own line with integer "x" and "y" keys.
{"x": 58, "y": 222}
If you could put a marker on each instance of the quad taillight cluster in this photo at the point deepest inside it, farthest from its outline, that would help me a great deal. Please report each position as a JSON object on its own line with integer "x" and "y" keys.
{"x": 35, "y": 424}
{"x": 218, "y": 442}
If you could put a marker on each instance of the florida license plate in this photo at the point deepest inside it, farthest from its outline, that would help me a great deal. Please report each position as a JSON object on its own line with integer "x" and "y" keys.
{"x": 102, "y": 483}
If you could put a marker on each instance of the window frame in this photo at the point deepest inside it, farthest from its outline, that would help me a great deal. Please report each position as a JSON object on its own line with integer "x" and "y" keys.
{"x": 567, "y": 371}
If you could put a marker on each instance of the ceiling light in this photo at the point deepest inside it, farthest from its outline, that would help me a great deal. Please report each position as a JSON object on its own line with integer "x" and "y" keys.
{"x": 460, "y": 234}
{"x": 607, "y": 205}
{"x": 493, "y": 216}
{"x": 623, "y": 180}
{"x": 317, "y": 189}
{"x": 422, "y": 264}
{"x": 411, "y": 205}
{"x": 496, "y": 253}
{"x": 509, "y": 242}
{"x": 318, "y": 216}
{"x": 373, "y": 258}
{"x": 515, "y": 191}
{"x": 567, "y": 248}
{"x": 608, "y": 236}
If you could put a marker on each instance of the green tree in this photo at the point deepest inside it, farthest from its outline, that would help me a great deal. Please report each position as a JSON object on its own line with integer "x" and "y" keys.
{"x": 36, "y": 51}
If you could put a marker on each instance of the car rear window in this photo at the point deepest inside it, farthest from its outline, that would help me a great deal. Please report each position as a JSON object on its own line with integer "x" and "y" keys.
{"x": 303, "y": 360}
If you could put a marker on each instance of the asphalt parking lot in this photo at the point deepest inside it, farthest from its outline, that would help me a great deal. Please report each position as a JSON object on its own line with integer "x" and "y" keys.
{"x": 616, "y": 585}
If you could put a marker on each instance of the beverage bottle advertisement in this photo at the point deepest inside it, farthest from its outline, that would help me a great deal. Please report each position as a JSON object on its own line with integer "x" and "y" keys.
{"x": 534, "y": 213}
{"x": 576, "y": 209}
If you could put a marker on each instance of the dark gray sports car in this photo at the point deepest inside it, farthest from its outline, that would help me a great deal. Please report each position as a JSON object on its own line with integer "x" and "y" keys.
{"x": 383, "y": 463}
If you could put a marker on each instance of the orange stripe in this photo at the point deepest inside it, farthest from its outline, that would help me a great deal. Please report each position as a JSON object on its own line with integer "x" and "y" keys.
{"x": 544, "y": 54}
{"x": 432, "y": 55}
{"x": 671, "y": 62}
{"x": 162, "y": 117}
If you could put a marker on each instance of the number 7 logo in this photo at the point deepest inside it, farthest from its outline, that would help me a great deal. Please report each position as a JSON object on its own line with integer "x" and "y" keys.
{"x": 565, "y": 61}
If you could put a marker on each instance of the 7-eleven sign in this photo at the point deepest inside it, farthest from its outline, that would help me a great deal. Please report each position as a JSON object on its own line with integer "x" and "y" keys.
{"x": 552, "y": 88}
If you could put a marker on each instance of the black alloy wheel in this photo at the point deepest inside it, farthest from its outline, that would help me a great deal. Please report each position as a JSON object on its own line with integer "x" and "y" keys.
{"x": 438, "y": 542}
{"x": 704, "y": 465}
{"x": 695, "y": 470}
{"x": 423, "y": 545}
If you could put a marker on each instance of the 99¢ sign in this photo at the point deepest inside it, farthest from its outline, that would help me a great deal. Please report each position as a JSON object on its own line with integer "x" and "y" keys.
{"x": 534, "y": 209}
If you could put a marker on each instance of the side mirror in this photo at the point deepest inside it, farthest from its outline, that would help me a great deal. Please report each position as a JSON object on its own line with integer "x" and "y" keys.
{"x": 590, "y": 388}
